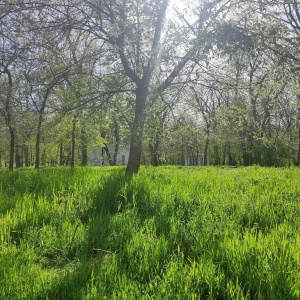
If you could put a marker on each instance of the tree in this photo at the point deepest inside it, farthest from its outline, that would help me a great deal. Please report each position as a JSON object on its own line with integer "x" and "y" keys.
{"x": 12, "y": 49}
{"x": 42, "y": 81}
{"x": 205, "y": 100}
{"x": 134, "y": 33}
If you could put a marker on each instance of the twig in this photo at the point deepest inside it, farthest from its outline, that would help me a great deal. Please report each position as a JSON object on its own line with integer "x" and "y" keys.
{"x": 97, "y": 249}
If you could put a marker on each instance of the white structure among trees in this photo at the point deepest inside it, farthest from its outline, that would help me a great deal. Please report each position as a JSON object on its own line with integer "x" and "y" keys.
{"x": 98, "y": 156}
{"x": 195, "y": 160}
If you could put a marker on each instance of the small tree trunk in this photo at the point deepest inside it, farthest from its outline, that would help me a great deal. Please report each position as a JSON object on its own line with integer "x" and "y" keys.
{"x": 108, "y": 155}
{"x": 298, "y": 155}
{"x": 72, "y": 163}
{"x": 8, "y": 119}
{"x": 117, "y": 144}
{"x": 12, "y": 149}
{"x": 39, "y": 125}
{"x": 207, "y": 140}
{"x": 182, "y": 158}
{"x": 61, "y": 154}
{"x": 38, "y": 137}
{"x": 84, "y": 155}
{"x": 230, "y": 158}
{"x": 31, "y": 157}
{"x": 217, "y": 159}
{"x": 102, "y": 156}
{"x": 26, "y": 155}
{"x": 37, "y": 147}
{"x": 22, "y": 155}
{"x": 298, "y": 125}
{"x": 115, "y": 155}
{"x": 224, "y": 155}
{"x": 154, "y": 153}
{"x": 18, "y": 158}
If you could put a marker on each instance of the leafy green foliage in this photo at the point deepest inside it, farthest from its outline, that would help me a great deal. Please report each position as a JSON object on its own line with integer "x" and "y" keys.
{"x": 166, "y": 233}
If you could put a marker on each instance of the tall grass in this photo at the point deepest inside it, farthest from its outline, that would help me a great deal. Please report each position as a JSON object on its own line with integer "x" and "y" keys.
{"x": 166, "y": 233}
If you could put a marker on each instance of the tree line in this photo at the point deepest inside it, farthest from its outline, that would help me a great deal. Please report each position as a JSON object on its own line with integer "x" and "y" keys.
{"x": 167, "y": 79}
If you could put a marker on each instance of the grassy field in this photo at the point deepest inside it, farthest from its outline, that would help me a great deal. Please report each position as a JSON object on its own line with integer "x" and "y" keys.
{"x": 166, "y": 233}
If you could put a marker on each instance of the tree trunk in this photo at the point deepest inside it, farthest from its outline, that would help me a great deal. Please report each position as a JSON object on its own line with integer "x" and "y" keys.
{"x": 22, "y": 155}
{"x": 37, "y": 147}
{"x": 40, "y": 121}
{"x": 217, "y": 159}
{"x": 298, "y": 156}
{"x": 117, "y": 144}
{"x": 157, "y": 138}
{"x": 8, "y": 119}
{"x": 72, "y": 163}
{"x": 114, "y": 158}
{"x": 102, "y": 156}
{"x": 182, "y": 158}
{"x": 26, "y": 155}
{"x": 224, "y": 155}
{"x": 31, "y": 157}
{"x": 108, "y": 155}
{"x": 61, "y": 154}
{"x": 18, "y": 158}
{"x": 38, "y": 130}
{"x": 134, "y": 160}
{"x": 206, "y": 145}
{"x": 154, "y": 153}
{"x": 38, "y": 140}
{"x": 231, "y": 161}
{"x": 154, "y": 148}
{"x": 12, "y": 149}
{"x": 142, "y": 89}
{"x": 84, "y": 156}
{"x": 298, "y": 125}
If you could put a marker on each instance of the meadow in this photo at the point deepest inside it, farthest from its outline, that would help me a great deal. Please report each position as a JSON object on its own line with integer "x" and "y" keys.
{"x": 166, "y": 233}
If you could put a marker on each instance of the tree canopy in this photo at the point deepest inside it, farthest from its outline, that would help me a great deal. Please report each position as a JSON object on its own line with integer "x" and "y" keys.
{"x": 167, "y": 79}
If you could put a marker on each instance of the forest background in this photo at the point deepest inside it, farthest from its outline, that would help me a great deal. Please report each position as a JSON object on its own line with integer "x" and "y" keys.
{"x": 166, "y": 79}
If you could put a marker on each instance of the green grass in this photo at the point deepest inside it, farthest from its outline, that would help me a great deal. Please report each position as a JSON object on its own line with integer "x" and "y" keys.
{"x": 166, "y": 233}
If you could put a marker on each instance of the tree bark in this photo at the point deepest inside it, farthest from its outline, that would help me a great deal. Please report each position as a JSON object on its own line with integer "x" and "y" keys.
{"x": 154, "y": 151}
{"x": 157, "y": 136}
{"x": 84, "y": 156}
{"x": 39, "y": 125}
{"x": 18, "y": 158}
{"x": 8, "y": 119}
{"x": 298, "y": 154}
{"x": 61, "y": 154}
{"x": 12, "y": 148}
{"x": 31, "y": 157}
{"x": 134, "y": 160}
{"x": 298, "y": 127}
{"x": 217, "y": 159}
{"x": 117, "y": 144}
{"x": 142, "y": 89}
{"x": 108, "y": 155}
{"x": 26, "y": 155}
{"x": 231, "y": 161}
{"x": 37, "y": 146}
{"x": 207, "y": 140}
{"x": 72, "y": 163}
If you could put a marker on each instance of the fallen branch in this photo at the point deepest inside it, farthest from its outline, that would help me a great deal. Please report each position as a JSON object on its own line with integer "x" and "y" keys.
{"x": 97, "y": 249}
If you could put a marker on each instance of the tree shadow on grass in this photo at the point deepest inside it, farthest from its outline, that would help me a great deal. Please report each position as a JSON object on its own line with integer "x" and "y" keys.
{"x": 105, "y": 202}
